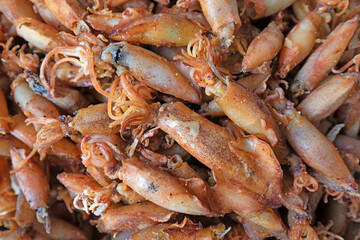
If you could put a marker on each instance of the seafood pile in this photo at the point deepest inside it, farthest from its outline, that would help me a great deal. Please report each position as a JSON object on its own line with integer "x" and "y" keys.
{"x": 187, "y": 119}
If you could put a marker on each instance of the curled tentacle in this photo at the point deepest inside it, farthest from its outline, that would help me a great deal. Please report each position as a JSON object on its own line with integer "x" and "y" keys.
{"x": 202, "y": 57}
{"x": 305, "y": 181}
{"x": 302, "y": 179}
{"x": 76, "y": 55}
{"x": 90, "y": 196}
{"x": 101, "y": 152}
{"x": 336, "y": 194}
{"x": 17, "y": 58}
{"x": 91, "y": 201}
{"x": 324, "y": 230}
{"x": 302, "y": 230}
{"x": 127, "y": 103}
{"x": 80, "y": 56}
{"x": 49, "y": 134}
{"x": 354, "y": 61}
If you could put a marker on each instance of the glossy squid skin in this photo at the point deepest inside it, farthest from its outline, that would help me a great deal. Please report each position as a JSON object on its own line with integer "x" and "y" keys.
{"x": 160, "y": 187}
{"x": 263, "y": 8}
{"x": 314, "y": 148}
{"x": 163, "y": 29}
{"x": 263, "y": 48}
{"x": 30, "y": 103}
{"x": 319, "y": 153}
{"x": 325, "y": 57}
{"x": 39, "y": 34}
{"x": 5, "y": 181}
{"x": 32, "y": 180}
{"x": 349, "y": 113}
{"x": 48, "y": 17}
{"x": 348, "y": 144}
{"x": 299, "y": 43}
{"x": 250, "y": 113}
{"x": 317, "y": 105}
{"x": 25, "y": 216}
{"x": 151, "y": 69}
{"x": 232, "y": 162}
{"x": 7, "y": 141}
{"x": 66, "y": 98}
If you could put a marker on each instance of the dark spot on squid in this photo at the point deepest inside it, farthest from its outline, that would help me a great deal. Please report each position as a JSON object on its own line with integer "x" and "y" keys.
{"x": 152, "y": 187}
{"x": 112, "y": 170}
{"x": 62, "y": 118}
{"x": 118, "y": 56}
{"x": 38, "y": 88}
{"x": 35, "y": 84}
{"x": 3, "y": 229}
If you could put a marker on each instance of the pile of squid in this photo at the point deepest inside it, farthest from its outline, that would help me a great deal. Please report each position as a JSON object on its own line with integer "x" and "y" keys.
{"x": 187, "y": 119}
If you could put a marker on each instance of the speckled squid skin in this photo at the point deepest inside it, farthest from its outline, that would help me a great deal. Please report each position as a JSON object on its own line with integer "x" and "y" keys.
{"x": 160, "y": 187}
{"x": 151, "y": 69}
{"x": 318, "y": 152}
{"x": 237, "y": 164}
{"x": 77, "y": 183}
{"x": 179, "y": 231}
{"x": 116, "y": 21}
{"x": 314, "y": 148}
{"x": 93, "y": 120}
{"x": 250, "y": 113}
